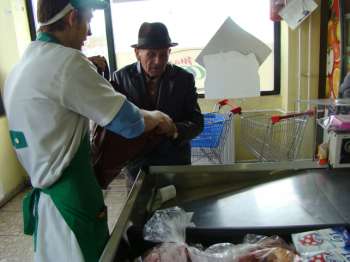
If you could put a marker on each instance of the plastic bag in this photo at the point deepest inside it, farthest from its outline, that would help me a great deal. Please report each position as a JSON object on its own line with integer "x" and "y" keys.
{"x": 263, "y": 248}
{"x": 253, "y": 249}
{"x": 168, "y": 225}
{"x": 169, "y": 252}
{"x": 176, "y": 252}
{"x": 265, "y": 242}
{"x": 226, "y": 252}
{"x": 223, "y": 252}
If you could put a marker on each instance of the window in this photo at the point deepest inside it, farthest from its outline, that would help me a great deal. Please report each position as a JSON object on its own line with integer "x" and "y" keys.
{"x": 96, "y": 44}
{"x": 192, "y": 23}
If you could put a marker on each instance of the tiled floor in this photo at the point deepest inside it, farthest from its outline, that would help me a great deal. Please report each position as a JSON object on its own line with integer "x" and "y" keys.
{"x": 15, "y": 246}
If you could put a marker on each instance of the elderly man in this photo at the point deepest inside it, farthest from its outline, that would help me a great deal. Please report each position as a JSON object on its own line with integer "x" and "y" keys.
{"x": 153, "y": 84}
{"x": 49, "y": 97}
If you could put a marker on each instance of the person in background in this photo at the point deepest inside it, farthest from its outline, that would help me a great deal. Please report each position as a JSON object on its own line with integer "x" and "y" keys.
{"x": 344, "y": 93}
{"x": 153, "y": 83}
{"x": 49, "y": 96}
{"x": 345, "y": 87}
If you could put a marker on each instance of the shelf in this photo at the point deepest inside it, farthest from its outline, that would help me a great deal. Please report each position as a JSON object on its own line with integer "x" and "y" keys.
{"x": 326, "y": 102}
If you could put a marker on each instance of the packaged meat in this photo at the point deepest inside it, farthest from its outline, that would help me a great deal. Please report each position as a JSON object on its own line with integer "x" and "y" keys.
{"x": 321, "y": 240}
{"x": 168, "y": 227}
{"x": 335, "y": 255}
{"x": 168, "y": 252}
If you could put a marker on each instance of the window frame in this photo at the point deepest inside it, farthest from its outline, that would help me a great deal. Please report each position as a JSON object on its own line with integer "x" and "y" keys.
{"x": 113, "y": 58}
{"x": 2, "y": 106}
{"x": 109, "y": 32}
{"x": 31, "y": 20}
{"x": 276, "y": 62}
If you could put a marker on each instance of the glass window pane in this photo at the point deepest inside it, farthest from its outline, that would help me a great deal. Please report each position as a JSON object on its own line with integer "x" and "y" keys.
{"x": 35, "y": 8}
{"x": 96, "y": 44}
{"x": 192, "y": 23}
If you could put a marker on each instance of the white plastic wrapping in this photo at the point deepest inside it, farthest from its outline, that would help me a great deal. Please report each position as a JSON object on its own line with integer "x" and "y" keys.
{"x": 168, "y": 225}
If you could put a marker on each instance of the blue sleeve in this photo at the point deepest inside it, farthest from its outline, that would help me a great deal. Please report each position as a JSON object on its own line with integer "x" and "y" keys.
{"x": 128, "y": 122}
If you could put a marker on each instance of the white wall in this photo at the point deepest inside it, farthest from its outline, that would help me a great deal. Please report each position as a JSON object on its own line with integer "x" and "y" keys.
{"x": 15, "y": 37}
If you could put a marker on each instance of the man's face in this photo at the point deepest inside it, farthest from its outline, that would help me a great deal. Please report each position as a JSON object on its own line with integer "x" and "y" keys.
{"x": 153, "y": 61}
{"x": 81, "y": 29}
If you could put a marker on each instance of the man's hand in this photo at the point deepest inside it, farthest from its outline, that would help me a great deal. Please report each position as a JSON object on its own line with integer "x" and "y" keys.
{"x": 99, "y": 61}
{"x": 167, "y": 128}
{"x": 159, "y": 121}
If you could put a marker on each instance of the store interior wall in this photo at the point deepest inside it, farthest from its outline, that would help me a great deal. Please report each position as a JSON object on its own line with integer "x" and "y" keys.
{"x": 14, "y": 28}
{"x": 299, "y": 80}
{"x": 300, "y": 72}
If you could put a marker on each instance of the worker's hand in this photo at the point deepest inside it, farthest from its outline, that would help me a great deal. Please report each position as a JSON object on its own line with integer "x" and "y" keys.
{"x": 168, "y": 129}
{"x": 99, "y": 61}
{"x": 162, "y": 123}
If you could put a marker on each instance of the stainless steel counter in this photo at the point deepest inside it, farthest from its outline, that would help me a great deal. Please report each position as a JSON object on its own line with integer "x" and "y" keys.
{"x": 242, "y": 196}
{"x": 311, "y": 198}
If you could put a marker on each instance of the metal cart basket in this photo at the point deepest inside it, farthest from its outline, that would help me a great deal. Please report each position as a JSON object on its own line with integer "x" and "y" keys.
{"x": 273, "y": 137}
{"x": 210, "y": 143}
{"x": 213, "y": 143}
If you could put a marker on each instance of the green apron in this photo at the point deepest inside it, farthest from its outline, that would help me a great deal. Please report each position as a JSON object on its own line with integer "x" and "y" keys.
{"x": 78, "y": 198}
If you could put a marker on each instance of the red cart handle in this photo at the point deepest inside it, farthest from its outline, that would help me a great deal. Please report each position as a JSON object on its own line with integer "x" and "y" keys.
{"x": 223, "y": 102}
{"x": 234, "y": 110}
{"x": 276, "y": 118}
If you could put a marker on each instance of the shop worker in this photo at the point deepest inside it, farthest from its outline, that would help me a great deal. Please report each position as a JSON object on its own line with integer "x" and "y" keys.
{"x": 49, "y": 98}
{"x": 153, "y": 83}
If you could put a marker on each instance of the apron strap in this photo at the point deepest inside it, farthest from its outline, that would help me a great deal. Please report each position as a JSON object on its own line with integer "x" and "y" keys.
{"x": 30, "y": 213}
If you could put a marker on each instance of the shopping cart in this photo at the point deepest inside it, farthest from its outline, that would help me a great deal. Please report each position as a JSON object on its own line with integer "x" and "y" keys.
{"x": 273, "y": 137}
{"x": 211, "y": 145}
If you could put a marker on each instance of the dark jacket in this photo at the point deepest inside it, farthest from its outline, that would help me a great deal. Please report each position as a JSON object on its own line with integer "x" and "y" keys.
{"x": 345, "y": 87}
{"x": 177, "y": 97}
{"x": 344, "y": 93}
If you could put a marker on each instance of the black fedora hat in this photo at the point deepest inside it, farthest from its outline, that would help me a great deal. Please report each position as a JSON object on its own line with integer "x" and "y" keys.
{"x": 153, "y": 35}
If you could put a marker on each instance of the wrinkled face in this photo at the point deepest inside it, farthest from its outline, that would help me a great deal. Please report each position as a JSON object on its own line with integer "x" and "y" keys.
{"x": 81, "y": 29}
{"x": 153, "y": 61}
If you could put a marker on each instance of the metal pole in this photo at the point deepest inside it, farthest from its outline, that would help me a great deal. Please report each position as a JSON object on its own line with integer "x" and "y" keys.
{"x": 110, "y": 39}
